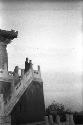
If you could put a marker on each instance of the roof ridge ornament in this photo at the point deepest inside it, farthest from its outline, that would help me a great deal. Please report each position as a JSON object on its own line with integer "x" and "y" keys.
{"x": 6, "y": 36}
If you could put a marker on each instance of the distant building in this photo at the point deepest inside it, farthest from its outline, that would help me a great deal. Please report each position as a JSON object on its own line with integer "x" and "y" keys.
{"x": 21, "y": 95}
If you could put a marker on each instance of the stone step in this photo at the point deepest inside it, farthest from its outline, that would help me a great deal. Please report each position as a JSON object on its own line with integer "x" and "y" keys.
{"x": 25, "y": 82}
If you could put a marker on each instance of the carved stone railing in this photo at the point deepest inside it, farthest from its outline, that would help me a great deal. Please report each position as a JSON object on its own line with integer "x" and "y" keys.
{"x": 69, "y": 120}
{"x": 18, "y": 91}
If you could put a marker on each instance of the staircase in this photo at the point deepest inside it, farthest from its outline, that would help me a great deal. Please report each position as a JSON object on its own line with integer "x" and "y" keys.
{"x": 18, "y": 92}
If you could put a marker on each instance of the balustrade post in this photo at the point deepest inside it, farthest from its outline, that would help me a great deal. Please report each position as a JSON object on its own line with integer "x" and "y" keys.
{"x": 51, "y": 119}
{"x": 46, "y": 120}
{"x": 58, "y": 120}
{"x": 67, "y": 119}
{"x": 39, "y": 71}
{"x": 22, "y": 73}
{"x": 71, "y": 121}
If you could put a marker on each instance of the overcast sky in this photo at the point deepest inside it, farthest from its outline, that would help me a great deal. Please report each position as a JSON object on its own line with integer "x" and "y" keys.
{"x": 50, "y": 33}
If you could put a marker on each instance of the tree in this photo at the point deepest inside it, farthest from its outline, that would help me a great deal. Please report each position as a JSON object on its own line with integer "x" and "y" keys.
{"x": 55, "y": 108}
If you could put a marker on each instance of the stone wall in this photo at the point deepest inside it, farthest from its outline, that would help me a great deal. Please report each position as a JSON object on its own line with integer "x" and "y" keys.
{"x": 31, "y": 107}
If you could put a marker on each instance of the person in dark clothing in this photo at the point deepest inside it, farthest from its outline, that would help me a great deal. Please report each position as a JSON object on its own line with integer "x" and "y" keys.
{"x": 30, "y": 63}
{"x": 26, "y": 65}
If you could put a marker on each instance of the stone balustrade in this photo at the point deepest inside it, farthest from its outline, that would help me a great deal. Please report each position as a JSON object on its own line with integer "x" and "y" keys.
{"x": 69, "y": 120}
{"x": 18, "y": 91}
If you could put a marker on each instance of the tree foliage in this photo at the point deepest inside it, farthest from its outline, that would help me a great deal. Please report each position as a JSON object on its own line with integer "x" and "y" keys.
{"x": 55, "y": 108}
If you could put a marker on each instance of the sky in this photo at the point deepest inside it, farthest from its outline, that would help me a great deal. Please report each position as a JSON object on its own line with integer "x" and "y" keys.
{"x": 50, "y": 34}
